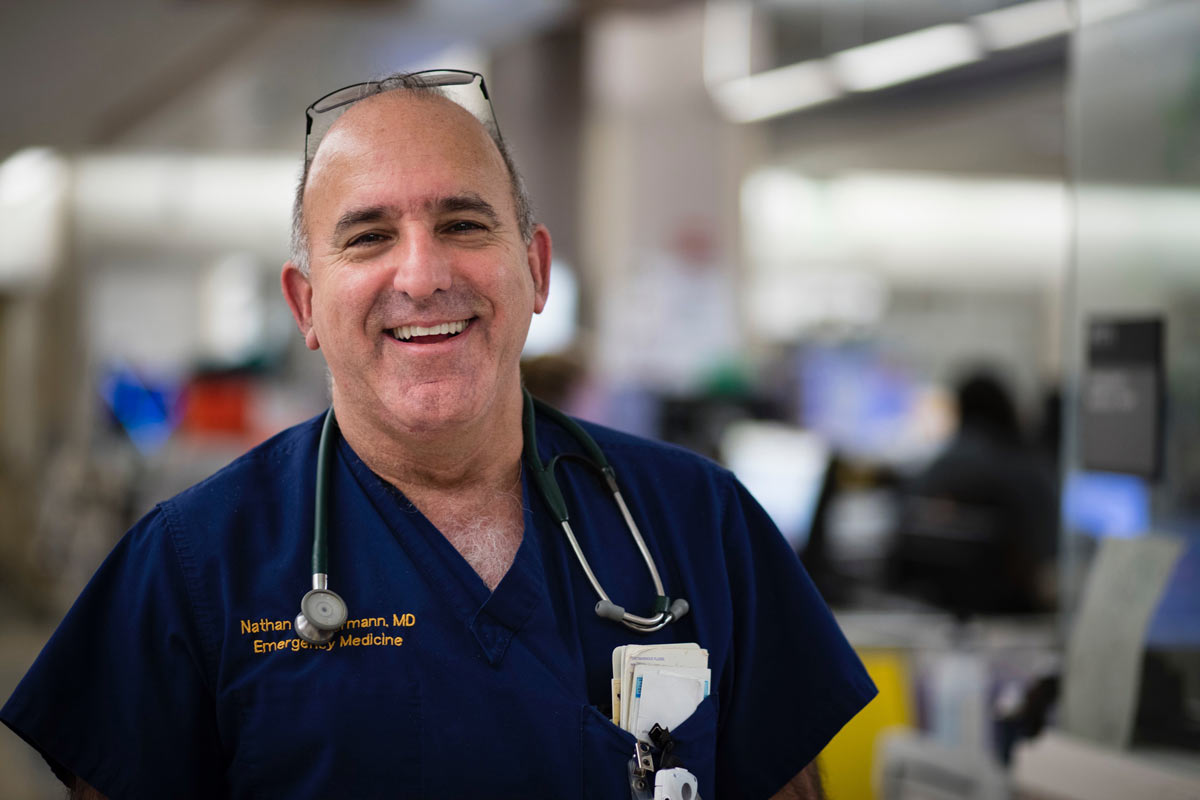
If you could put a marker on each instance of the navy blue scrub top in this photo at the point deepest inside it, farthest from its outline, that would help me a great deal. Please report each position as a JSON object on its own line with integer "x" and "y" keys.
{"x": 177, "y": 672}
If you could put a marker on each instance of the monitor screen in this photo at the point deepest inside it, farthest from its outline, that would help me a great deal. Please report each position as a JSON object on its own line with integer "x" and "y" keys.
{"x": 1106, "y": 504}
{"x": 783, "y": 467}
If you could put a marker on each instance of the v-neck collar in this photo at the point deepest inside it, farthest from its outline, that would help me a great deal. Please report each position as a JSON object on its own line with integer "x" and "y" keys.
{"x": 493, "y": 618}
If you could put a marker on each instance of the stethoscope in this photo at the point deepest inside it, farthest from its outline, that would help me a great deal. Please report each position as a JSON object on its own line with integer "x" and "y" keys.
{"x": 323, "y": 612}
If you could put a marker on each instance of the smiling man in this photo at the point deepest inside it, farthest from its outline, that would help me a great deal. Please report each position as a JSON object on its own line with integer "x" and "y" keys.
{"x": 474, "y": 661}
{"x": 418, "y": 284}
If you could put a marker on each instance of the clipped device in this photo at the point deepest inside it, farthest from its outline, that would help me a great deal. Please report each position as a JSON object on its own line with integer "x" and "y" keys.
{"x": 675, "y": 784}
{"x": 669, "y": 781}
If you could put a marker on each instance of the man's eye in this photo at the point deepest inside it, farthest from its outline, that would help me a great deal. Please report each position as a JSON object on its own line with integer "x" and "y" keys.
{"x": 365, "y": 239}
{"x": 464, "y": 226}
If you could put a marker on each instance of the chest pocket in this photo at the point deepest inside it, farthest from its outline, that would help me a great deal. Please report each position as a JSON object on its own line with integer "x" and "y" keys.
{"x": 330, "y": 730}
{"x": 607, "y": 750}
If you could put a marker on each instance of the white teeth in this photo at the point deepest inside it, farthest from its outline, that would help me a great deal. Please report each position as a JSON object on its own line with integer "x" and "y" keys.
{"x": 407, "y": 332}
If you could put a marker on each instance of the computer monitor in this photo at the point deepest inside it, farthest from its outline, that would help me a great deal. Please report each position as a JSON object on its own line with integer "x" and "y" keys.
{"x": 784, "y": 467}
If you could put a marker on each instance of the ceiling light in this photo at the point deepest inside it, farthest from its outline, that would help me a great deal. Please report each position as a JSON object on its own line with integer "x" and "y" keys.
{"x": 775, "y": 92}
{"x": 1024, "y": 23}
{"x": 904, "y": 58}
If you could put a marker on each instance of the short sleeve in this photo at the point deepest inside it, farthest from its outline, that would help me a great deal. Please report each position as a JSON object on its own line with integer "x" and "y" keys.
{"x": 120, "y": 695}
{"x": 792, "y": 680}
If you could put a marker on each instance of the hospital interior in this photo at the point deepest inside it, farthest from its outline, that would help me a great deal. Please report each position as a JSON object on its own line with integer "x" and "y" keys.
{"x": 925, "y": 275}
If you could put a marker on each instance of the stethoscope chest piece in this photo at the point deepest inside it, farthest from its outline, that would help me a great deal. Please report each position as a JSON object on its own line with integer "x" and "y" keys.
{"x": 322, "y": 613}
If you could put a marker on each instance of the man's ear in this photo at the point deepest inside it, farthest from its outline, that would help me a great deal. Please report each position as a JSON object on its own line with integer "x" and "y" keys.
{"x": 538, "y": 256}
{"x": 297, "y": 290}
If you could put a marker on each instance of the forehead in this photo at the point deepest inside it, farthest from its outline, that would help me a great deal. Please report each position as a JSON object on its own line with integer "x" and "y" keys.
{"x": 405, "y": 144}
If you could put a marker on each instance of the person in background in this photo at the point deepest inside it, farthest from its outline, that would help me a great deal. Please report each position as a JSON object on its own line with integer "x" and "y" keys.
{"x": 979, "y": 526}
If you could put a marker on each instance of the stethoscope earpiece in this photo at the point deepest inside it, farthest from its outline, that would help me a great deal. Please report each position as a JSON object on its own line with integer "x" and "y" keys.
{"x": 610, "y": 610}
{"x": 679, "y": 608}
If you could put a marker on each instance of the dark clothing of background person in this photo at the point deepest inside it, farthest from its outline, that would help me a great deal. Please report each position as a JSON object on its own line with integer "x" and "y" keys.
{"x": 978, "y": 527}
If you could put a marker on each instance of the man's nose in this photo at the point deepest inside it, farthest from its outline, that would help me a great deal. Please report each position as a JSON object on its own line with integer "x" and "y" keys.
{"x": 422, "y": 264}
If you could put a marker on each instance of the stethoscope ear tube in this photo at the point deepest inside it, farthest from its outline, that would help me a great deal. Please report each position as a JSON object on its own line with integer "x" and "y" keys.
{"x": 665, "y": 611}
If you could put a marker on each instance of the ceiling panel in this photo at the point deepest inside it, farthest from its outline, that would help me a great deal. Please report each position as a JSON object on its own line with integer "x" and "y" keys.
{"x": 230, "y": 75}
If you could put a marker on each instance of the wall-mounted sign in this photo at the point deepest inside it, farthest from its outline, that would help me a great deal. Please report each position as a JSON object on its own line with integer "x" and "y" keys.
{"x": 1122, "y": 397}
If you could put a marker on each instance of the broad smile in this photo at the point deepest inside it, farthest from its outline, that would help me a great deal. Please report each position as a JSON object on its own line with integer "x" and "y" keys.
{"x": 419, "y": 334}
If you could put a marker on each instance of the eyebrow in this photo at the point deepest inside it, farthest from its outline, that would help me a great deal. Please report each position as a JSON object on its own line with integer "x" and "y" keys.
{"x": 358, "y": 216}
{"x": 468, "y": 202}
{"x": 445, "y": 205}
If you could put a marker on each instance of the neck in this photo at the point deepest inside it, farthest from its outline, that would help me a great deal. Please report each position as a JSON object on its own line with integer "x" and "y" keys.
{"x": 481, "y": 454}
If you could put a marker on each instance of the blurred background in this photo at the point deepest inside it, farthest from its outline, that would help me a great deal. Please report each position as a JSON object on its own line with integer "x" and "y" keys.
{"x": 922, "y": 273}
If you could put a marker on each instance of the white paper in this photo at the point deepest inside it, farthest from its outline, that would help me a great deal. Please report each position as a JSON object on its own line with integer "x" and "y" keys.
{"x": 665, "y": 697}
{"x": 687, "y": 654}
{"x": 1104, "y": 652}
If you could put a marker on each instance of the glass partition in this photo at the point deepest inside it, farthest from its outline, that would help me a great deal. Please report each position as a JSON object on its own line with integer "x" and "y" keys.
{"x": 1134, "y": 126}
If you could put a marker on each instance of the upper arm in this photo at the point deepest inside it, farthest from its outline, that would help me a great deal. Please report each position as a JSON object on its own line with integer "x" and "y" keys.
{"x": 806, "y": 785}
{"x": 792, "y": 680}
{"x": 82, "y": 790}
{"x": 121, "y": 696}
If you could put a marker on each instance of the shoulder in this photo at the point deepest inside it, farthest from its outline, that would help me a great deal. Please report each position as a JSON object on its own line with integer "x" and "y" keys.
{"x": 638, "y": 451}
{"x": 254, "y": 479}
{"x": 665, "y": 477}
{"x": 220, "y": 539}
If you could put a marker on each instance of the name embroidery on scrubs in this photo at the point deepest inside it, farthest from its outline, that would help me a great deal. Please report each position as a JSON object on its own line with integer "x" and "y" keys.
{"x": 355, "y": 633}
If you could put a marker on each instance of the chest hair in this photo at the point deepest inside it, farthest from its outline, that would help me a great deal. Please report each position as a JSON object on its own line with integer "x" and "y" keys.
{"x": 486, "y": 530}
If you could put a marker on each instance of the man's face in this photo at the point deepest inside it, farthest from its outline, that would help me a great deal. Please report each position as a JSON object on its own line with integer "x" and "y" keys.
{"x": 420, "y": 289}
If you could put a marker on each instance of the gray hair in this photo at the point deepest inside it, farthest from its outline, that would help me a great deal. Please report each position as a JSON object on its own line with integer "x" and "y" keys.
{"x": 414, "y": 84}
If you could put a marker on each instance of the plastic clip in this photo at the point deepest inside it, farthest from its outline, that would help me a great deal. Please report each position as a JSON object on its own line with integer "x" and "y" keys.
{"x": 661, "y": 738}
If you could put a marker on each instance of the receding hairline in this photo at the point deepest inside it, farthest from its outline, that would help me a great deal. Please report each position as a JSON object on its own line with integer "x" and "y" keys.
{"x": 522, "y": 208}
{"x": 454, "y": 114}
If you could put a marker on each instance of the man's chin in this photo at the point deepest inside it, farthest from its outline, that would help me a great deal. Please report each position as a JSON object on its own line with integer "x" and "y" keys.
{"x": 438, "y": 406}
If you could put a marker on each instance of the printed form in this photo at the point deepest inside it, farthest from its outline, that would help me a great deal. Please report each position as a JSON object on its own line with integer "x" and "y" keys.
{"x": 658, "y": 684}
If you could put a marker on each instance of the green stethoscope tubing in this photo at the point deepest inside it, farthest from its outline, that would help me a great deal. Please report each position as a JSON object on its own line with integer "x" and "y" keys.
{"x": 323, "y": 612}
{"x": 543, "y": 476}
{"x": 320, "y": 556}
